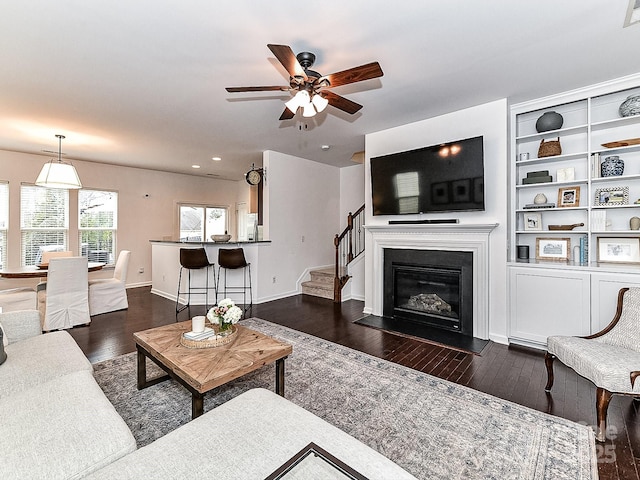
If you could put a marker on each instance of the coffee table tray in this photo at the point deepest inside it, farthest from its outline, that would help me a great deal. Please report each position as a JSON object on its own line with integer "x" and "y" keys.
{"x": 212, "y": 341}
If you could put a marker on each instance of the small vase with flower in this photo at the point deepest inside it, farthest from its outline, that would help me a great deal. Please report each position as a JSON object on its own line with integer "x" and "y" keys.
{"x": 225, "y": 314}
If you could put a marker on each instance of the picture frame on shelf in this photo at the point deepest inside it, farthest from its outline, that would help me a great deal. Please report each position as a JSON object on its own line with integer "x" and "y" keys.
{"x": 619, "y": 250}
{"x": 569, "y": 197}
{"x": 532, "y": 221}
{"x": 611, "y": 196}
{"x": 557, "y": 249}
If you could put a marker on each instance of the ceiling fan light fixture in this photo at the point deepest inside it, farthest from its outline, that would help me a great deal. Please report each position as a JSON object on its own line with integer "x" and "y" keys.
{"x": 319, "y": 102}
{"x": 300, "y": 100}
{"x": 58, "y": 174}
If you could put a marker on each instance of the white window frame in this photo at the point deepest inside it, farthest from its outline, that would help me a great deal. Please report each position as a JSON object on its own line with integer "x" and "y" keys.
{"x": 102, "y": 253}
{"x": 4, "y": 222}
{"x": 30, "y": 195}
{"x": 204, "y": 233}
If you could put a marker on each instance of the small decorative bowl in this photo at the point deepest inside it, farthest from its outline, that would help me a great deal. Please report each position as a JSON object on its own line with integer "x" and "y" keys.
{"x": 221, "y": 238}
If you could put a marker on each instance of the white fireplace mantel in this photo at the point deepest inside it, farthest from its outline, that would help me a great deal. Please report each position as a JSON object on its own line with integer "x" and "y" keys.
{"x": 452, "y": 237}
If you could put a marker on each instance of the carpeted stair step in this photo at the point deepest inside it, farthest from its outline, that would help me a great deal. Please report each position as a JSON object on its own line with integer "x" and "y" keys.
{"x": 318, "y": 289}
{"x": 324, "y": 275}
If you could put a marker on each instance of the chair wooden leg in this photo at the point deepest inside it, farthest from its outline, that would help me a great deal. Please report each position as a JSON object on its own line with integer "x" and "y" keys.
{"x": 603, "y": 397}
{"x": 548, "y": 361}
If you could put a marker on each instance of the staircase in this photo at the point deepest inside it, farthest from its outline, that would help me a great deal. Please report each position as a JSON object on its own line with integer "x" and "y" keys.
{"x": 328, "y": 282}
{"x": 321, "y": 283}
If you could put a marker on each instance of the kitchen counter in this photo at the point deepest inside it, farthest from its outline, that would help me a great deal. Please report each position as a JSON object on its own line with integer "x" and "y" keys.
{"x": 165, "y": 264}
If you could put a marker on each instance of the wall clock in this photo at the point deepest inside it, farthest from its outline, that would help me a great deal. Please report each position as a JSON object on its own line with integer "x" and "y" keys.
{"x": 254, "y": 177}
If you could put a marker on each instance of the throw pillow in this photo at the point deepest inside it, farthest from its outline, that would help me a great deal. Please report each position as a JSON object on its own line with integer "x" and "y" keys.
{"x": 3, "y": 339}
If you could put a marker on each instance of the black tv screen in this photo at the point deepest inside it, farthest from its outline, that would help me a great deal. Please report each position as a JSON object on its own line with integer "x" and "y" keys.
{"x": 448, "y": 177}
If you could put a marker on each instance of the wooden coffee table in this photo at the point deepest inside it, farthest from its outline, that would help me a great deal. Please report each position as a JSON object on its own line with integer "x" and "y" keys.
{"x": 202, "y": 369}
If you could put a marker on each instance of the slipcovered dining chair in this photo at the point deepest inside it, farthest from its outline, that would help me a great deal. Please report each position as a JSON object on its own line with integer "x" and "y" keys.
{"x": 46, "y": 256}
{"x": 22, "y": 298}
{"x": 64, "y": 302}
{"x": 609, "y": 358}
{"x": 110, "y": 294}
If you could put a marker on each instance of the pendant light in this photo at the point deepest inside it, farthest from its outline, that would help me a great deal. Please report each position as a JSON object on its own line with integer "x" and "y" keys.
{"x": 58, "y": 174}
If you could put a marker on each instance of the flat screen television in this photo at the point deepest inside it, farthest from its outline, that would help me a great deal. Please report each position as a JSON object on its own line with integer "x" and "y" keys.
{"x": 448, "y": 177}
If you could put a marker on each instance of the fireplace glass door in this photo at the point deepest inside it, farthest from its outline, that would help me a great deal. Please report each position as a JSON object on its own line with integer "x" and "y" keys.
{"x": 429, "y": 295}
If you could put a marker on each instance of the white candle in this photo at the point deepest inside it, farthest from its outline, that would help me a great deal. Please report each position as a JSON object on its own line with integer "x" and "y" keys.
{"x": 197, "y": 324}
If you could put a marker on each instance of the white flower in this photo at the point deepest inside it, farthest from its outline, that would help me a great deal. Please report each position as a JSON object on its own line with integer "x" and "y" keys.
{"x": 227, "y": 302}
{"x": 211, "y": 315}
{"x": 233, "y": 315}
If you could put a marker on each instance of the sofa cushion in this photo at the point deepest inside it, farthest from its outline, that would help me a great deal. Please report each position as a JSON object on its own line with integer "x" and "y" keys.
{"x": 65, "y": 428}
{"x": 248, "y": 437}
{"x": 38, "y": 359}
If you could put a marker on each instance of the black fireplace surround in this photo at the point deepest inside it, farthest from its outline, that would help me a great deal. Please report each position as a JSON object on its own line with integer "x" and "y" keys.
{"x": 430, "y": 287}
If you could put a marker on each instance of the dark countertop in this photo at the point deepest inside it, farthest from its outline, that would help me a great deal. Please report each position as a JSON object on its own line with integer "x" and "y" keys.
{"x": 178, "y": 242}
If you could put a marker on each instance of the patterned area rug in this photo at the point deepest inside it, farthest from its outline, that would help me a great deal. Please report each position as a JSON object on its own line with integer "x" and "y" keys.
{"x": 432, "y": 428}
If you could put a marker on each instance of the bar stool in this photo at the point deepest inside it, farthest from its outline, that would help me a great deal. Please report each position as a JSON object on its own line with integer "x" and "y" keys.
{"x": 194, "y": 259}
{"x": 233, "y": 259}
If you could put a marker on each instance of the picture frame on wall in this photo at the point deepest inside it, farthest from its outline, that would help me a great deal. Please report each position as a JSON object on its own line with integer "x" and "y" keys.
{"x": 557, "y": 249}
{"x": 619, "y": 250}
{"x": 612, "y": 196}
{"x": 569, "y": 197}
{"x": 532, "y": 221}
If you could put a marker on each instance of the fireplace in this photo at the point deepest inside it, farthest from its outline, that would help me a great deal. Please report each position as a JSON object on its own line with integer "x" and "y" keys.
{"x": 430, "y": 287}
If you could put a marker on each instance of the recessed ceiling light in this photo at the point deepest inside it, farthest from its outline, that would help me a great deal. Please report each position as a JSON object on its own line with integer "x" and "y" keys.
{"x": 633, "y": 13}
{"x": 216, "y": 159}
{"x": 195, "y": 166}
{"x": 325, "y": 147}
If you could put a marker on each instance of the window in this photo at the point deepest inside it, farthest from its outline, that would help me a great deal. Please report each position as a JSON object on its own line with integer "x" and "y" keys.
{"x": 199, "y": 222}
{"x": 97, "y": 224}
{"x": 44, "y": 221}
{"x": 4, "y": 222}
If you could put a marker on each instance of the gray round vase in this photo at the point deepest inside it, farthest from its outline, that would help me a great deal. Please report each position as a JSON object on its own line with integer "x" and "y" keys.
{"x": 630, "y": 107}
{"x": 549, "y": 121}
{"x": 634, "y": 223}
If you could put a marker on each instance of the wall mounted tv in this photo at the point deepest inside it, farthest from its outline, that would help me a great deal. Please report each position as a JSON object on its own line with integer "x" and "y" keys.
{"x": 448, "y": 177}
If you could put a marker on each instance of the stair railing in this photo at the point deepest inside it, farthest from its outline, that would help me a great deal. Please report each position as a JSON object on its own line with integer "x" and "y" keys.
{"x": 349, "y": 244}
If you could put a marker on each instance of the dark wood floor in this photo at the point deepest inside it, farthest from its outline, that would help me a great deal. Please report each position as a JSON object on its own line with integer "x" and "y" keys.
{"x": 512, "y": 373}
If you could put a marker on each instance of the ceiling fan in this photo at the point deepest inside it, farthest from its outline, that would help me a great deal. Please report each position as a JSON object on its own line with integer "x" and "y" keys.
{"x": 312, "y": 96}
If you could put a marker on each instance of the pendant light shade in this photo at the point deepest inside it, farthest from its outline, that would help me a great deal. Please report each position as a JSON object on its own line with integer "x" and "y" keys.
{"x": 58, "y": 174}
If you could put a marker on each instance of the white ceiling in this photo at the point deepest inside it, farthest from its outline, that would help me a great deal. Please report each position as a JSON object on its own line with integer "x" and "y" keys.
{"x": 141, "y": 82}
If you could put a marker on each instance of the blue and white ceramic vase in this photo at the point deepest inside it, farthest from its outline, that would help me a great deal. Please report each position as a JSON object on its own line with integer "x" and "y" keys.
{"x": 612, "y": 166}
{"x": 549, "y": 121}
{"x": 630, "y": 107}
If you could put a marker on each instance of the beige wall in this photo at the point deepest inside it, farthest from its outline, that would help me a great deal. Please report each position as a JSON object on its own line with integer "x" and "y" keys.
{"x": 140, "y": 218}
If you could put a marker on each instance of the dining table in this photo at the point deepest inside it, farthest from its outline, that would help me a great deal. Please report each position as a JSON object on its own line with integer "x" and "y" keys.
{"x": 39, "y": 271}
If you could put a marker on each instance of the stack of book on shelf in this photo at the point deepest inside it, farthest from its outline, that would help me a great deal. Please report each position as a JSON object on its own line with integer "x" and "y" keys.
{"x": 539, "y": 205}
{"x": 584, "y": 250}
{"x": 537, "y": 177}
{"x": 595, "y": 165}
{"x": 598, "y": 220}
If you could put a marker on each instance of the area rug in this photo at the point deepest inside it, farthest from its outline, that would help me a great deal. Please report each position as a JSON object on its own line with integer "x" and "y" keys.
{"x": 432, "y": 428}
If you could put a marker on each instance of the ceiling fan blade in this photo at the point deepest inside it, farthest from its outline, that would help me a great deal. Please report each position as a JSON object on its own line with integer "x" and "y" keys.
{"x": 286, "y": 57}
{"x": 287, "y": 114}
{"x": 356, "y": 74}
{"x": 257, "y": 89}
{"x": 342, "y": 103}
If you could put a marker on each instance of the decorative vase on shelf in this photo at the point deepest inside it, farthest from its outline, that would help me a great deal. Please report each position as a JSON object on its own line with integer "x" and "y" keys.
{"x": 634, "y": 223}
{"x": 549, "y": 121}
{"x": 612, "y": 166}
{"x": 539, "y": 199}
{"x": 631, "y": 106}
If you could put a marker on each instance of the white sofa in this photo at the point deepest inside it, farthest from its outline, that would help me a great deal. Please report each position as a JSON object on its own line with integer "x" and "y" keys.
{"x": 58, "y": 424}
